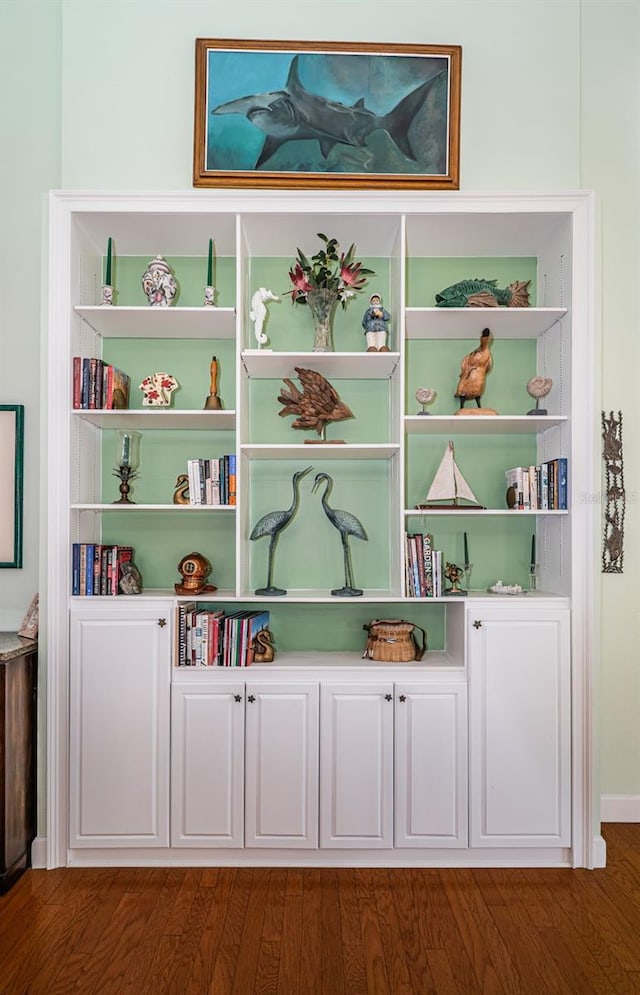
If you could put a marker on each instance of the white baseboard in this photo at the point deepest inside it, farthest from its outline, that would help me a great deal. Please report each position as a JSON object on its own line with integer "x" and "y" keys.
{"x": 39, "y": 852}
{"x": 620, "y": 808}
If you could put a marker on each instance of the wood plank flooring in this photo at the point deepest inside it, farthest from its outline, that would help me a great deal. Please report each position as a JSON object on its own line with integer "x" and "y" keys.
{"x": 240, "y": 931}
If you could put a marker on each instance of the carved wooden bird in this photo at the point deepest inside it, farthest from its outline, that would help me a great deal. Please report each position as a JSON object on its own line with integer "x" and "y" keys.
{"x": 316, "y": 405}
{"x": 473, "y": 371}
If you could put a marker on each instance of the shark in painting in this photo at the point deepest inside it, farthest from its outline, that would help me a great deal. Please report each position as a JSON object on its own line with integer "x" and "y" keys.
{"x": 294, "y": 114}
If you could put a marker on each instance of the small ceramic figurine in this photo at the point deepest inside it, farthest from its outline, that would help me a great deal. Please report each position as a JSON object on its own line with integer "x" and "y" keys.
{"x": 259, "y": 313}
{"x": 374, "y": 322}
{"x": 157, "y": 389}
{"x": 159, "y": 283}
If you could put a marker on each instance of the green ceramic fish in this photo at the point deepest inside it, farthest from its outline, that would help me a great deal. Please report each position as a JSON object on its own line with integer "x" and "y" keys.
{"x": 484, "y": 293}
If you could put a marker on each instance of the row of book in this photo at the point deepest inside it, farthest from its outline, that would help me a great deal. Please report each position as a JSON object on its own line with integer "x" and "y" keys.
{"x": 209, "y": 637}
{"x": 96, "y": 569}
{"x": 97, "y": 384}
{"x": 538, "y": 488}
{"x": 212, "y": 481}
{"x": 423, "y": 566}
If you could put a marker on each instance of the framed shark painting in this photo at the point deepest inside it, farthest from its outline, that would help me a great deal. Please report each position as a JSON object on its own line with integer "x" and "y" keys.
{"x": 335, "y": 114}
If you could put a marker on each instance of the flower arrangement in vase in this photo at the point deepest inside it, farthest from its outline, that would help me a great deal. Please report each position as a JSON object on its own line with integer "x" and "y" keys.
{"x": 329, "y": 278}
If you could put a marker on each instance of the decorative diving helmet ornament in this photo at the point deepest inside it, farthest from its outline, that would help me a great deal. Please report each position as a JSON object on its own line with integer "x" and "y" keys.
{"x": 194, "y": 568}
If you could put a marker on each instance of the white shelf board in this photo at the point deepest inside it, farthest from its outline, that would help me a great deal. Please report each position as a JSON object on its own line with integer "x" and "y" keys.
{"x": 480, "y": 424}
{"x": 259, "y": 363}
{"x": 420, "y": 513}
{"x": 181, "y": 509}
{"x": 158, "y": 419}
{"x": 321, "y": 451}
{"x": 468, "y": 323}
{"x": 160, "y": 322}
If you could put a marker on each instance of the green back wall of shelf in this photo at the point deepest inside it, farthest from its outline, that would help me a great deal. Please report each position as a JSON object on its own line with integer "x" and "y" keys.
{"x": 338, "y": 626}
{"x": 427, "y": 277}
{"x": 187, "y": 359}
{"x": 499, "y": 548}
{"x": 290, "y": 327}
{"x": 161, "y": 539}
{"x": 367, "y": 399}
{"x": 309, "y": 551}
{"x": 190, "y": 273}
{"x": 435, "y": 363}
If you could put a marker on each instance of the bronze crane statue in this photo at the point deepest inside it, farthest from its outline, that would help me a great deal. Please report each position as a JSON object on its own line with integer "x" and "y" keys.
{"x": 346, "y": 524}
{"x": 272, "y": 524}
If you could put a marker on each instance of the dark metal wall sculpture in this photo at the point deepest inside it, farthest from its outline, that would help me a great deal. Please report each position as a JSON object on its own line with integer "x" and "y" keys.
{"x": 614, "y": 505}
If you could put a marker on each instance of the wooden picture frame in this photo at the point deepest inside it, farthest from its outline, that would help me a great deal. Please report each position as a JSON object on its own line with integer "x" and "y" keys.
{"x": 11, "y": 472}
{"x": 326, "y": 114}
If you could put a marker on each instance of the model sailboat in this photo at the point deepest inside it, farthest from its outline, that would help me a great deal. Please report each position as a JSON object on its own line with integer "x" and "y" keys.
{"x": 449, "y": 487}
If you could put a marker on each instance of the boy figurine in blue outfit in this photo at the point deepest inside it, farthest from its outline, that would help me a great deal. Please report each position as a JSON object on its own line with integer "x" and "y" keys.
{"x": 374, "y": 322}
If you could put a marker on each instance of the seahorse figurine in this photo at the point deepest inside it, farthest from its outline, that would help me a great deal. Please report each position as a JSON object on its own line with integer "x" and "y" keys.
{"x": 181, "y": 492}
{"x": 263, "y": 651}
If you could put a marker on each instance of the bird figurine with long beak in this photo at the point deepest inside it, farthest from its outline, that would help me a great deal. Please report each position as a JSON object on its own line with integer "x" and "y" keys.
{"x": 346, "y": 524}
{"x": 272, "y": 524}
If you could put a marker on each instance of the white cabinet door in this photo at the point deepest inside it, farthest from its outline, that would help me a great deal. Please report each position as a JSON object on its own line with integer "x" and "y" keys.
{"x": 281, "y": 798}
{"x": 356, "y": 765}
{"x": 431, "y": 765}
{"x": 119, "y": 726}
{"x": 207, "y": 765}
{"x": 520, "y": 746}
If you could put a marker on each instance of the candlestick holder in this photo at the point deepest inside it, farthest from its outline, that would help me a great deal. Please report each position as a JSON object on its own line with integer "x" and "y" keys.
{"x": 127, "y": 463}
{"x": 533, "y": 576}
{"x": 468, "y": 567}
{"x": 209, "y": 295}
{"x": 107, "y": 295}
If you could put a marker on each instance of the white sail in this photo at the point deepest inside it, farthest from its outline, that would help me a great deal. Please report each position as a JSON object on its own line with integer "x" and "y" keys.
{"x": 448, "y": 483}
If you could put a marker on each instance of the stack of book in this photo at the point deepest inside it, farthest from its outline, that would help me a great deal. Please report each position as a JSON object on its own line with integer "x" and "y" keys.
{"x": 212, "y": 481}
{"x": 423, "y": 567}
{"x": 97, "y": 384}
{"x": 211, "y": 637}
{"x": 96, "y": 569}
{"x": 538, "y": 488}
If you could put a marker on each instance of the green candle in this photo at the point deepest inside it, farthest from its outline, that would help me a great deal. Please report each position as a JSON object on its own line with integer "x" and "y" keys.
{"x": 210, "y": 265}
{"x": 107, "y": 279}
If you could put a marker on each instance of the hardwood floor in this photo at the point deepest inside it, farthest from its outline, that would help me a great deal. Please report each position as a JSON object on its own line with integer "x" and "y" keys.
{"x": 230, "y": 931}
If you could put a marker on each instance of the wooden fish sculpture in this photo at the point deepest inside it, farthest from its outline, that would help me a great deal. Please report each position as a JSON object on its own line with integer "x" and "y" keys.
{"x": 484, "y": 293}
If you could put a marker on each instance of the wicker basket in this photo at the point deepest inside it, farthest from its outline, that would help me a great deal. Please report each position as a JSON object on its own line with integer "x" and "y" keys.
{"x": 392, "y": 640}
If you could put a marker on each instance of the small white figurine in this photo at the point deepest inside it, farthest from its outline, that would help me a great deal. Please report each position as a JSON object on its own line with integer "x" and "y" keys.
{"x": 157, "y": 389}
{"x": 258, "y": 312}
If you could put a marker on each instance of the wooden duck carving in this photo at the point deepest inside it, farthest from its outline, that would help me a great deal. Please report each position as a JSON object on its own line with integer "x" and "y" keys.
{"x": 181, "y": 492}
{"x": 263, "y": 650}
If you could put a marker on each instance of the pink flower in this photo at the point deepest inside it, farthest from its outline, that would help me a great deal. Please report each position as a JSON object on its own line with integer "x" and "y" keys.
{"x": 350, "y": 274}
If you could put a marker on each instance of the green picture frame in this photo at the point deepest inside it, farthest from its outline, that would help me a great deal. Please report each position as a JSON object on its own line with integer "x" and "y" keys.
{"x": 11, "y": 483}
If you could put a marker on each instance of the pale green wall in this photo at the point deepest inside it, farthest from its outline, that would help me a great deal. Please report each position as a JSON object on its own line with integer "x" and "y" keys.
{"x": 99, "y": 95}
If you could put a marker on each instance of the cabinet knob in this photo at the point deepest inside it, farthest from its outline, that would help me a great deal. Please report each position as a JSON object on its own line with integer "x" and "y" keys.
{"x": 162, "y": 622}
{"x": 402, "y": 697}
{"x": 251, "y": 698}
{"x": 237, "y": 697}
{"x": 477, "y": 624}
{"x": 388, "y": 697}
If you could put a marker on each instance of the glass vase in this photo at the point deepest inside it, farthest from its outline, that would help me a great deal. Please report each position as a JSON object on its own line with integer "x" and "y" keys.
{"x": 322, "y": 304}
